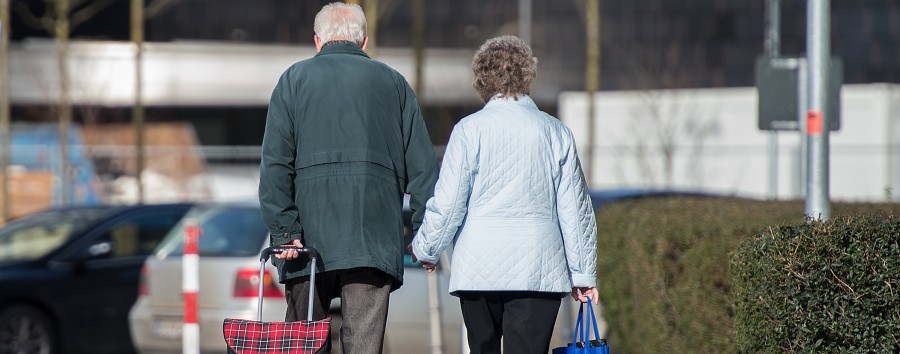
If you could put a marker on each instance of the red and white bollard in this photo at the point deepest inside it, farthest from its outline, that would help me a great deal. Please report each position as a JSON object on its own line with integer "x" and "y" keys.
{"x": 190, "y": 284}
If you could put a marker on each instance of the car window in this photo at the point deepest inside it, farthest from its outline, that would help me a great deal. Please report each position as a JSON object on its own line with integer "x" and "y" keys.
{"x": 138, "y": 236}
{"x": 36, "y": 235}
{"x": 225, "y": 232}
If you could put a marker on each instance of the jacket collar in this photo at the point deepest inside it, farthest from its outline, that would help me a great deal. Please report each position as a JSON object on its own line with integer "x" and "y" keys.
{"x": 523, "y": 100}
{"x": 342, "y": 48}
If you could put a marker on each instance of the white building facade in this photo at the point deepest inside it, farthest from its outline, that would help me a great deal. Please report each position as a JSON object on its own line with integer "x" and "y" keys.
{"x": 708, "y": 140}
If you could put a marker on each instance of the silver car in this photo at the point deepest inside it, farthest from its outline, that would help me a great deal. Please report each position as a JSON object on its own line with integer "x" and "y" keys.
{"x": 233, "y": 235}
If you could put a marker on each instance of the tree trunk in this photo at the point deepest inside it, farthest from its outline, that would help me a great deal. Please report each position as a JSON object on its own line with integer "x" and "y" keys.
{"x": 61, "y": 32}
{"x": 4, "y": 107}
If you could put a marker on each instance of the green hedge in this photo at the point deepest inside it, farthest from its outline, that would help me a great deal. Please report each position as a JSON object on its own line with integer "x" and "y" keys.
{"x": 820, "y": 287}
{"x": 663, "y": 268}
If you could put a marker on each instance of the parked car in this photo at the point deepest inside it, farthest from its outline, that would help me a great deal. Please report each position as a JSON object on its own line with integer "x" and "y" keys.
{"x": 233, "y": 234}
{"x": 70, "y": 275}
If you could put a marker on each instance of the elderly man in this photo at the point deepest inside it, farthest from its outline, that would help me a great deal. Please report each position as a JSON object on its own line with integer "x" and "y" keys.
{"x": 344, "y": 139}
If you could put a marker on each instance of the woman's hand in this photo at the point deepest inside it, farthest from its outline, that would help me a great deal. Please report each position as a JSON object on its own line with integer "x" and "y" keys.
{"x": 430, "y": 267}
{"x": 584, "y": 294}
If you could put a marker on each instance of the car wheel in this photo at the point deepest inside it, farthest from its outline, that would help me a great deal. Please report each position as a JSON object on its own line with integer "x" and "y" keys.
{"x": 25, "y": 329}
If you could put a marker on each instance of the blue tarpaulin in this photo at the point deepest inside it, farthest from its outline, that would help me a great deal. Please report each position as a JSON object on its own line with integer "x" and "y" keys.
{"x": 35, "y": 147}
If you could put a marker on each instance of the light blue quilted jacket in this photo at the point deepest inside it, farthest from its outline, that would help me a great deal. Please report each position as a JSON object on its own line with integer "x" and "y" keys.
{"x": 512, "y": 199}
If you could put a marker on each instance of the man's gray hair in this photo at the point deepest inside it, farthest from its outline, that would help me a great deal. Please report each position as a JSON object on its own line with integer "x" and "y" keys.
{"x": 339, "y": 21}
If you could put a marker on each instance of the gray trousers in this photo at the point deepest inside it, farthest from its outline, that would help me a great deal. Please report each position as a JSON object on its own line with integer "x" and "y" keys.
{"x": 364, "y": 294}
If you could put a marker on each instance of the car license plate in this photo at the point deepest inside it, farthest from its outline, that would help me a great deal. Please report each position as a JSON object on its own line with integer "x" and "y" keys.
{"x": 167, "y": 327}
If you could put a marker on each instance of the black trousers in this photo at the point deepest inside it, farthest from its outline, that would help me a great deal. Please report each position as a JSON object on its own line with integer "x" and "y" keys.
{"x": 522, "y": 319}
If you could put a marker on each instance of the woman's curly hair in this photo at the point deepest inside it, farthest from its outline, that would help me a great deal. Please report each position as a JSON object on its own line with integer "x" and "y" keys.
{"x": 503, "y": 66}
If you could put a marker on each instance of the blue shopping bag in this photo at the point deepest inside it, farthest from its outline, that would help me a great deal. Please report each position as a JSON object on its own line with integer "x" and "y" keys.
{"x": 581, "y": 342}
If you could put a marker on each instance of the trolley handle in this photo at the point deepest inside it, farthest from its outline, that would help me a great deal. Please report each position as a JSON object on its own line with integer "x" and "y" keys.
{"x": 264, "y": 256}
{"x": 278, "y": 249}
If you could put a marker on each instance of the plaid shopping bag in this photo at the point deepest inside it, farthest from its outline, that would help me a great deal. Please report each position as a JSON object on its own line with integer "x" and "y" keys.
{"x": 258, "y": 337}
{"x": 255, "y": 337}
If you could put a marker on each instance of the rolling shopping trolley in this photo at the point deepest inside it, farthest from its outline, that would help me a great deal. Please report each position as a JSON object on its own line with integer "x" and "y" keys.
{"x": 258, "y": 337}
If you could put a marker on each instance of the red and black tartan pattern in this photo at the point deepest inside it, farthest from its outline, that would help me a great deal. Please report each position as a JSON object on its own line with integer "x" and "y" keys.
{"x": 255, "y": 337}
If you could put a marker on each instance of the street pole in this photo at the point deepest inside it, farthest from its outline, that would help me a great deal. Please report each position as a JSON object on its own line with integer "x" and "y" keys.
{"x": 592, "y": 80}
{"x": 818, "y": 49}
{"x": 525, "y": 21}
{"x": 434, "y": 300}
{"x": 772, "y": 47}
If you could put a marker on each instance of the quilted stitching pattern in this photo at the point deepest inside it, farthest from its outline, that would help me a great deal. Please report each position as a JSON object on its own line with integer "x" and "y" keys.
{"x": 512, "y": 197}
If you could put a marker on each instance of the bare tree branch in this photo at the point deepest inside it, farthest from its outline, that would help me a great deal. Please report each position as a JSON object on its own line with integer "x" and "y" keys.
{"x": 74, "y": 4}
{"x": 581, "y": 5}
{"x": 386, "y": 9}
{"x": 158, "y": 7}
{"x": 30, "y": 20}
{"x": 78, "y": 17}
{"x": 47, "y": 22}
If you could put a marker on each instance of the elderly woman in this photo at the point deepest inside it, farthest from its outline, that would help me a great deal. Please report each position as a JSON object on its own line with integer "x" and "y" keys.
{"x": 512, "y": 199}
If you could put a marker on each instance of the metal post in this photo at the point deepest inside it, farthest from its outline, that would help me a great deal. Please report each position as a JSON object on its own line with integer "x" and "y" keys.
{"x": 190, "y": 287}
{"x": 592, "y": 80}
{"x": 772, "y": 47}
{"x": 818, "y": 48}
{"x": 434, "y": 304}
{"x": 525, "y": 21}
{"x": 434, "y": 313}
{"x": 773, "y": 164}
{"x": 773, "y": 28}
{"x": 802, "y": 107}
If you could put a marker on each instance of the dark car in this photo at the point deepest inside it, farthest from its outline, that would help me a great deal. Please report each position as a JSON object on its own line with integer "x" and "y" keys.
{"x": 69, "y": 276}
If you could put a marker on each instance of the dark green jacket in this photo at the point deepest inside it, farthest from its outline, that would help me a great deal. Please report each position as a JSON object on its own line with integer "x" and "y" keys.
{"x": 344, "y": 140}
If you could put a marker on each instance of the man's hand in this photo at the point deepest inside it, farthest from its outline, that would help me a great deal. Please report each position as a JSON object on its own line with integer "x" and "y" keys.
{"x": 430, "y": 267}
{"x": 584, "y": 293}
{"x": 409, "y": 249}
{"x": 290, "y": 254}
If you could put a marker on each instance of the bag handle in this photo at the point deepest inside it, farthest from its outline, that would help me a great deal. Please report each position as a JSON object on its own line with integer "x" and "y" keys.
{"x": 594, "y": 320}
{"x": 582, "y": 326}
{"x": 577, "y": 330}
